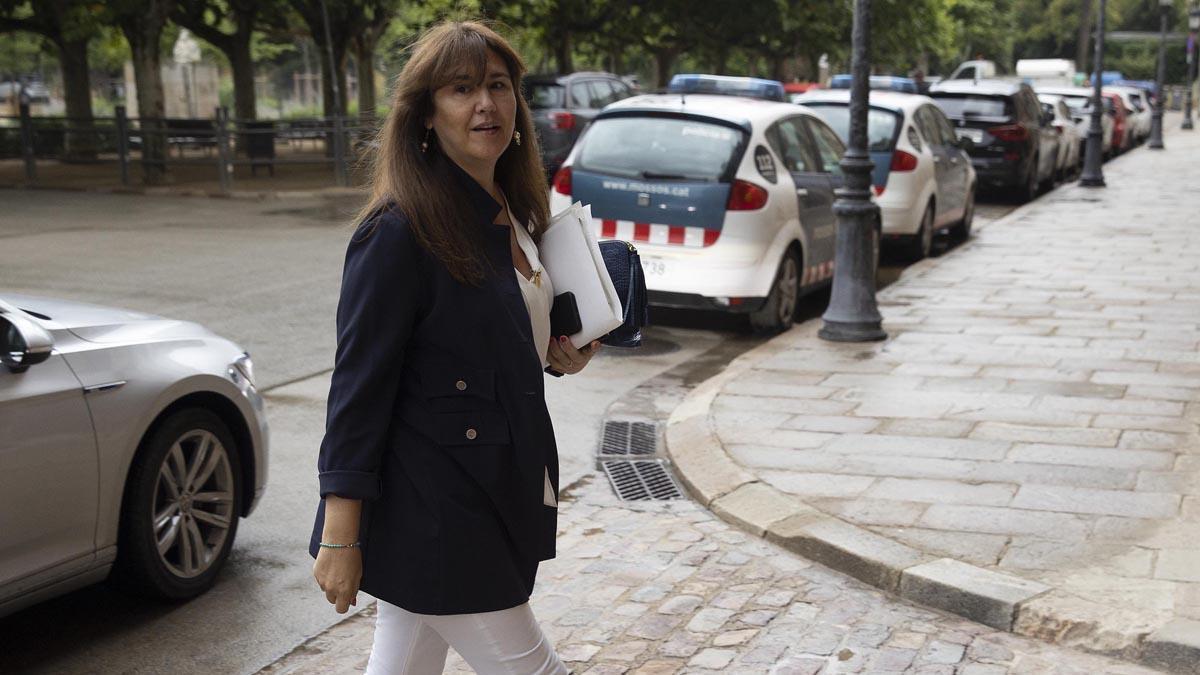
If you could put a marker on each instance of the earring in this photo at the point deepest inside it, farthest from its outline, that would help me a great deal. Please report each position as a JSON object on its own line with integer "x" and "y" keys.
{"x": 517, "y": 137}
{"x": 425, "y": 143}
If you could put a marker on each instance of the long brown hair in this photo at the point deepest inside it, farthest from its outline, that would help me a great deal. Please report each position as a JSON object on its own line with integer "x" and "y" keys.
{"x": 418, "y": 183}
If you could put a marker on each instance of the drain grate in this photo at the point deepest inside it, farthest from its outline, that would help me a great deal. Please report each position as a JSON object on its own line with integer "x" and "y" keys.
{"x": 641, "y": 480}
{"x": 629, "y": 438}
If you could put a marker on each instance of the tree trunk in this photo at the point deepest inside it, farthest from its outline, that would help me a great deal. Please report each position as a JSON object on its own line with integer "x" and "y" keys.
{"x": 777, "y": 62}
{"x": 562, "y": 53}
{"x": 77, "y": 87}
{"x": 720, "y": 61}
{"x": 330, "y": 106}
{"x": 664, "y": 60}
{"x": 364, "y": 61}
{"x": 147, "y": 72}
{"x": 1085, "y": 35}
{"x": 245, "y": 98}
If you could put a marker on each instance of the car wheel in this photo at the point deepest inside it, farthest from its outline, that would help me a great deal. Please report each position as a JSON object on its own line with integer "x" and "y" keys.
{"x": 1030, "y": 191}
{"x": 779, "y": 311}
{"x": 920, "y": 244}
{"x": 180, "y": 511}
{"x": 962, "y": 229}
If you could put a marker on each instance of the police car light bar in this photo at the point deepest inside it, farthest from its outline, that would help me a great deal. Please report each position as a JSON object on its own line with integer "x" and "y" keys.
{"x": 884, "y": 82}
{"x": 753, "y": 87}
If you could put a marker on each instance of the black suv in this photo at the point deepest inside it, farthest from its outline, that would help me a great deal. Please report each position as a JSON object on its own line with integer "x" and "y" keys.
{"x": 563, "y": 105}
{"x": 1012, "y": 142}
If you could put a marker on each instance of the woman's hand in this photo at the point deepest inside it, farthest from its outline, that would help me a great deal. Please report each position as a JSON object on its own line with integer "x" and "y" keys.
{"x": 338, "y": 572}
{"x": 565, "y": 358}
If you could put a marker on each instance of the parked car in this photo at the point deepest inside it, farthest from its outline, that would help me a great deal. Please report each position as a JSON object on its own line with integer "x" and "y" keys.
{"x": 132, "y": 445}
{"x": 923, "y": 179}
{"x": 1122, "y": 137}
{"x": 1012, "y": 143}
{"x": 1070, "y": 157}
{"x": 729, "y": 199}
{"x": 563, "y": 105}
{"x": 973, "y": 70}
{"x": 1137, "y": 110}
{"x": 751, "y": 87}
{"x": 1079, "y": 101}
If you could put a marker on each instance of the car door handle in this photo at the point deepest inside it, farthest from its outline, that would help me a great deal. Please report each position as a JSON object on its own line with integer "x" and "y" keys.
{"x": 802, "y": 192}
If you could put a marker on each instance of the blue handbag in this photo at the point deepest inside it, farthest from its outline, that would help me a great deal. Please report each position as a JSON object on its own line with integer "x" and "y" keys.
{"x": 625, "y": 269}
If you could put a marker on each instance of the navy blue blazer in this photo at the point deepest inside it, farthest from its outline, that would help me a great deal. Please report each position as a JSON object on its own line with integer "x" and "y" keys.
{"x": 437, "y": 420}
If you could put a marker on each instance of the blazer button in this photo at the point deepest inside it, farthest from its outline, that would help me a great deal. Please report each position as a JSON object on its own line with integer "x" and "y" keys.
{"x": 472, "y": 434}
{"x": 460, "y": 385}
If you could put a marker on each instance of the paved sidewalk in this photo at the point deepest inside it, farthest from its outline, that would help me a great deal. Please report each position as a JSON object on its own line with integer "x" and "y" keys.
{"x": 1023, "y": 449}
{"x": 665, "y": 587}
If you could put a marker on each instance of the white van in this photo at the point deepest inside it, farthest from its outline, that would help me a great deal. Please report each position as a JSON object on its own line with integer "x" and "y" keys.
{"x": 1053, "y": 72}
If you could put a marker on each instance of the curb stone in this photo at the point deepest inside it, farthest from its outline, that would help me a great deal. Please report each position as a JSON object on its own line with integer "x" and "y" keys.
{"x": 992, "y": 598}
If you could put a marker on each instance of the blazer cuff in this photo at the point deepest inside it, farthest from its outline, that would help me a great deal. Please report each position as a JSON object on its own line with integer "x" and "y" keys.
{"x": 350, "y": 484}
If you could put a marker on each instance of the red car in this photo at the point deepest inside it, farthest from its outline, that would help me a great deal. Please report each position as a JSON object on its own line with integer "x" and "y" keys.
{"x": 1122, "y": 138}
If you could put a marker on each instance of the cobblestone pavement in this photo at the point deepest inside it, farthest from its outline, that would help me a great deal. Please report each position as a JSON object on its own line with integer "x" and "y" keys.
{"x": 1034, "y": 410}
{"x": 665, "y": 587}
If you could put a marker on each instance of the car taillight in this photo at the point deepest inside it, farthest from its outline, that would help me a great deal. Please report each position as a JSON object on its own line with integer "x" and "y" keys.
{"x": 903, "y": 161}
{"x": 562, "y": 121}
{"x": 562, "y": 181}
{"x": 745, "y": 196}
{"x": 878, "y": 189}
{"x": 1010, "y": 133}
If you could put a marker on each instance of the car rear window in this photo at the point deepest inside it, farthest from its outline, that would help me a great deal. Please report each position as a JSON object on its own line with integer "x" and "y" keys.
{"x": 544, "y": 95}
{"x": 666, "y": 148}
{"x": 1077, "y": 102}
{"x": 881, "y": 124}
{"x": 963, "y": 106}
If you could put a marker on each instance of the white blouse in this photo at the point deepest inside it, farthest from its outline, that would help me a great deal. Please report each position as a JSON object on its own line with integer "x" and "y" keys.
{"x": 538, "y": 292}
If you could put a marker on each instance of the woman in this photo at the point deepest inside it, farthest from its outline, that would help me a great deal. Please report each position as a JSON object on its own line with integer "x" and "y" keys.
{"x": 438, "y": 470}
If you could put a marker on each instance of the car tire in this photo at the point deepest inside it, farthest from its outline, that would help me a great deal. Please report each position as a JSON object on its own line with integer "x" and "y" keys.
{"x": 187, "y": 466}
{"x": 962, "y": 229}
{"x": 919, "y": 246}
{"x": 1029, "y": 191}
{"x": 779, "y": 311}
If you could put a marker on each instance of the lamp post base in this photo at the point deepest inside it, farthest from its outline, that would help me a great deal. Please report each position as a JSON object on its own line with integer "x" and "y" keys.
{"x": 1187, "y": 124}
{"x": 858, "y": 331}
{"x": 1089, "y": 181}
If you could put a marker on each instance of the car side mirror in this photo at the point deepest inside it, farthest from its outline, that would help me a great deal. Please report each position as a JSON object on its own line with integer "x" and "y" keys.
{"x": 23, "y": 343}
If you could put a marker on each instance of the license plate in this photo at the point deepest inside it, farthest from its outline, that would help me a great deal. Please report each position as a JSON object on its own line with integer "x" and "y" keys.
{"x": 654, "y": 267}
{"x": 976, "y": 135}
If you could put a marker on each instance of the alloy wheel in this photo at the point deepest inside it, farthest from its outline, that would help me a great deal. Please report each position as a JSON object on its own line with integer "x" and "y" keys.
{"x": 789, "y": 290}
{"x": 193, "y": 503}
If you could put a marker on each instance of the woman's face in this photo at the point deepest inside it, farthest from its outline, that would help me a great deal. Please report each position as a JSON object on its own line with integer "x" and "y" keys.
{"x": 474, "y": 122}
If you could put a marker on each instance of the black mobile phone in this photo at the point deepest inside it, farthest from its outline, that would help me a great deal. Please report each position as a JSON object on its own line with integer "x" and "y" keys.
{"x": 564, "y": 315}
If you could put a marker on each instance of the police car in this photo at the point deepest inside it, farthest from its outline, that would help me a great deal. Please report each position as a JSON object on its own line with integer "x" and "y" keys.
{"x": 727, "y": 198}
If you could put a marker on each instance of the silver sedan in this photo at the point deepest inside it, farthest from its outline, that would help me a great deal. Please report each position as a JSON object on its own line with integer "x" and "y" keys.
{"x": 130, "y": 445}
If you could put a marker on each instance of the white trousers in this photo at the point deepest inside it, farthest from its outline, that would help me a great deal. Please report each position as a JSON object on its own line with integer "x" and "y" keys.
{"x": 506, "y": 642}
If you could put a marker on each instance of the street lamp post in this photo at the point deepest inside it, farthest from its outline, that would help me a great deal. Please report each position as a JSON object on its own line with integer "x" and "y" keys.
{"x": 1093, "y": 173}
{"x": 852, "y": 315}
{"x": 1193, "y": 26}
{"x": 1156, "y": 127}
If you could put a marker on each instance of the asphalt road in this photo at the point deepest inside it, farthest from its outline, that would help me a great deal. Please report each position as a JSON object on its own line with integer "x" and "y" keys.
{"x": 265, "y": 274}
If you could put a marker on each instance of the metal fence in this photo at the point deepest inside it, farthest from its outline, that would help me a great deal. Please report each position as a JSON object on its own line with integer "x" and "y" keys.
{"x": 203, "y": 149}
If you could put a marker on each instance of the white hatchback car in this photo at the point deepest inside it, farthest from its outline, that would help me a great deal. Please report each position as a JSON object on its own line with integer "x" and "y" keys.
{"x": 1079, "y": 101}
{"x": 923, "y": 180}
{"x": 729, "y": 199}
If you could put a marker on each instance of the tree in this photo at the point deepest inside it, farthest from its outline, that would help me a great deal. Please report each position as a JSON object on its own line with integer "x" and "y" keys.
{"x": 142, "y": 22}
{"x": 331, "y": 37}
{"x": 229, "y": 25}
{"x": 371, "y": 18}
{"x": 69, "y": 25}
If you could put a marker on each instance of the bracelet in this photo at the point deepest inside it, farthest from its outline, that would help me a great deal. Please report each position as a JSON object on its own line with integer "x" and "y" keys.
{"x": 324, "y": 545}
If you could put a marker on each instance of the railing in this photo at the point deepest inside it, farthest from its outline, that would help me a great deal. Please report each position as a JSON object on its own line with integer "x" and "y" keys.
{"x": 158, "y": 145}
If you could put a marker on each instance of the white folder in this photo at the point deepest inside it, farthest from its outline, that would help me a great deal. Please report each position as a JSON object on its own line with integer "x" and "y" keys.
{"x": 571, "y": 256}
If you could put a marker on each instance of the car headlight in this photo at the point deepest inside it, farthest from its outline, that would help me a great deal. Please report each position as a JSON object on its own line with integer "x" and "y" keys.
{"x": 245, "y": 366}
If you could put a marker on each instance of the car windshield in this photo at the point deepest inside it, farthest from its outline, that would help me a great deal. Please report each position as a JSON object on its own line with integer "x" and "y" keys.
{"x": 666, "y": 148}
{"x": 545, "y": 95}
{"x": 881, "y": 124}
{"x": 963, "y": 106}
